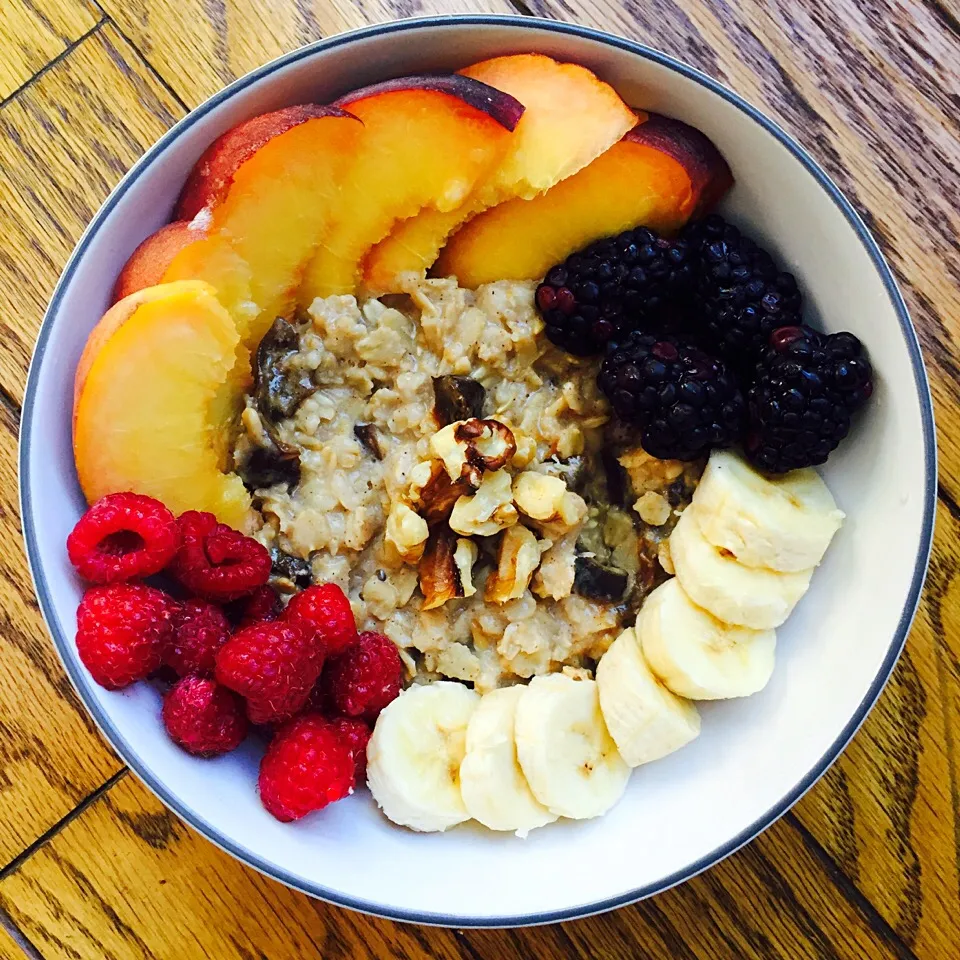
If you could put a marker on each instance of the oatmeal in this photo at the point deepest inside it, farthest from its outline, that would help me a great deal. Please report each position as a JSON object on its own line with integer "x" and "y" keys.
{"x": 436, "y": 457}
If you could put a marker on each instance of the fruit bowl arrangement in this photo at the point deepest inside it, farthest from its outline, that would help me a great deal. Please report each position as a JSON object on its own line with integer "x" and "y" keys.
{"x": 448, "y": 440}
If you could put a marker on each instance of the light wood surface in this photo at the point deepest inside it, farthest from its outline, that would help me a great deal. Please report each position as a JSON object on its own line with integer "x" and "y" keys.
{"x": 866, "y": 865}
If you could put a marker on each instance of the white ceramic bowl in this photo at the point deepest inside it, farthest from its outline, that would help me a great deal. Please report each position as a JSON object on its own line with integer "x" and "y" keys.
{"x": 755, "y": 757}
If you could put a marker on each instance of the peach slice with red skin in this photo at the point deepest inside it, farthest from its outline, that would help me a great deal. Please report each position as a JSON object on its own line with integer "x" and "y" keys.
{"x": 427, "y": 142}
{"x": 148, "y": 396}
{"x": 659, "y": 175}
{"x": 259, "y": 198}
{"x": 149, "y": 262}
{"x": 570, "y": 118}
{"x": 212, "y": 175}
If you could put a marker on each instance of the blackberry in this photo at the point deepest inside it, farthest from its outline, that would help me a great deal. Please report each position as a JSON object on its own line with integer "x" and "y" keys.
{"x": 601, "y": 293}
{"x": 740, "y": 296}
{"x": 806, "y": 387}
{"x": 683, "y": 400}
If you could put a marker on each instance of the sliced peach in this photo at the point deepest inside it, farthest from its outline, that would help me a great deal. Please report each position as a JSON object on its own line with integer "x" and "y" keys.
{"x": 149, "y": 395}
{"x": 215, "y": 260}
{"x": 659, "y": 175}
{"x": 149, "y": 262}
{"x": 427, "y": 141}
{"x": 265, "y": 188}
{"x": 213, "y": 173}
{"x": 570, "y": 118}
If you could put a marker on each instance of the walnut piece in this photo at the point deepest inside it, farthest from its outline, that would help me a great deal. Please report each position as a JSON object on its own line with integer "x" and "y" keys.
{"x": 517, "y": 559}
{"x": 432, "y": 493}
{"x": 489, "y": 510}
{"x": 537, "y": 495}
{"x": 406, "y": 532}
{"x": 467, "y": 448}
{"x": 445, "y": 569}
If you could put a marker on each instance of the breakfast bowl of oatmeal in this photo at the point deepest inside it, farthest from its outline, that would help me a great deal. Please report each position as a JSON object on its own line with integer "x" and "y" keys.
{"x": 453, "y": 450}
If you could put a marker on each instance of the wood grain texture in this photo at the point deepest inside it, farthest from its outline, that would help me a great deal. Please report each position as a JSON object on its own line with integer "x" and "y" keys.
{"x": 9, "y": 948}
{"x": 64, "y": 142}
{"x": 200, "y": 45}
{"x": 125, "y": 879}
{"x": 51, "y": 756}
{"x": 34, "y": 32}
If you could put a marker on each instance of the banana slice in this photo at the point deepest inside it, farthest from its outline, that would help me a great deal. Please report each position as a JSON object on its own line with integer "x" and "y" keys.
{"x": 414, "y": 756}
{"x": 783, "y": 522}
{"x": 565, "y": 750}
{"x": 645, "y": 719}
{"x": 493, "y": 786}
{"x": 697, "y": 656}
{"x": 715, "y": 580}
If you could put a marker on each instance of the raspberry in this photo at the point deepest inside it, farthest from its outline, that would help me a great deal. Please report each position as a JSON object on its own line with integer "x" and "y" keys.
{"x": 326, "y": 609}
{"x": 123, "y": 536}
{"x": 200, "y": 630}
{"x": 355, "y": 734}
{"x": 216, "y": 562}
{"x": 123, "y": 631}
{"x": 204, "y": 718}
{"x": 363, "y": 679}
{"x": 262, "y": 604}
{"x": 306, "y": 766}
{"x": 274, "y": 666}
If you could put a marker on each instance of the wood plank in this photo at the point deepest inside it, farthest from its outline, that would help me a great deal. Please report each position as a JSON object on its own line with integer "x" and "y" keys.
{"x": 118, "y": 878}
{"x": 64, "y": 142}
{"x": 9, "y": 948}
{"x": 34, "y": 32}
{"x": 51, "y": 755}
{"x": 868, "y": 95}
{"x": 198, "y": 46}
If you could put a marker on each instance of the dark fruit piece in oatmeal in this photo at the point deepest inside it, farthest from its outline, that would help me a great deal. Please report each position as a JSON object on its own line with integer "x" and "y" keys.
{"x": 457, "y": 398}
{"x": 204, "y": 718}
{"x": 216, "y": 562}
{"x": 279, "y": 386}
{"x": 295, "y": 570}
{"x": 268, "y": 466}
{"x": 741, "y": 296}
{"x": 367, "y": 434}
{"x": 123, "y": 536}
{"x": 615, "y": 285}
{"x": 807, "y": 386}
{"x": 123, "y": 631}
{"x": 684, "y": 401}
{"x": 307, "y": 766}
{"x": 599, "y": 581}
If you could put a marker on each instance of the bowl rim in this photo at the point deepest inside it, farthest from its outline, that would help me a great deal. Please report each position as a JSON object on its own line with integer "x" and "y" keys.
{"x": 116, "y": 738}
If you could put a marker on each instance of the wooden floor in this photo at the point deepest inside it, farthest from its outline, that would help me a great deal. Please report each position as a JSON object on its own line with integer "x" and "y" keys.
{"x": 868, "y": 863}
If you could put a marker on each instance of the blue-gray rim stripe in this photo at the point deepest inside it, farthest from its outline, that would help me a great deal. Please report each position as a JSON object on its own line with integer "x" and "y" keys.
{"x": 80, "y": 680}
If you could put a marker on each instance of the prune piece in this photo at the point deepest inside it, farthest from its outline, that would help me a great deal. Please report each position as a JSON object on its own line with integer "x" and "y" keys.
{"x": 599, "y": 581}
{"x": 457, "y": 398}
{"x": 367, "y": 434}
{"x": 278, "y": 388}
